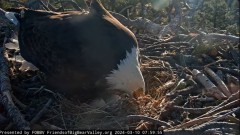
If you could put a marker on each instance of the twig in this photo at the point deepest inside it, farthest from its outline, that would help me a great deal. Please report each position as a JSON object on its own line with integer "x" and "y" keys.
{"x": 216, "y": 62}
{"x": 141, "y": 23}
{"x": 41, "y": 112}
{"x": 154, "y": 69}
{"x": 193, "y": 110}
{"x": 38, "y": 90}
{"x": 225, "y": 115}
{"x": 72, "y": 2}
{"x": 128, "y": 119}
{"x": 225, "y": 107}
{"x": 232, "y": 79}
{"x": 146, "y": 24}
{"x": 200, "y": 121}
{"x": 48, "y": 126}
{"x": 205, "y": 99}
{"x": 177, "y": 86}
{"x": 166, "y": 86}
{"x": 17, "y": 2}
{"x": 37, "y": 4}
{"x": 194, "y": 122}
{"x": 169, "y": 107}
{"x": 235, "y": 72}
{"x": 63, "y": 121}
{"x": 199, "y": 130}
{"x": 185, "y": 91}
{"x": 127, "y": 7}
{"x": 5, "y": 97}
{"x": 205, "y": 117}
{"x": 145, "y": 118}
{"x": 44, "y": 6}
{"x": 218, "y": 36}
{"x": 231, "y": 98}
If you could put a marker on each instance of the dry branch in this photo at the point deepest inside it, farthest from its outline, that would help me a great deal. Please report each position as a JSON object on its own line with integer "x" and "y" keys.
{"x": 141, "y": 23}
{"x": 125, "y": 8}
{"x": 194, "y": 122}
{"x": 202, "y": 120}
{"x": 211, "y": 89}
{"x": 3, "y": 20}
{"x": 235, "y": 72}
{"x": 5, "y": 96}
{"x": 205, "y": 117}
{"x": 218, "y": 36}
{"x": 232, "y": 79}
{"x": 48, "y": 126}
{"x": 216, "y": 62}
{"x": 193, "y": 110}
{"x": 205, "y": 99}
{"x": 148, "y": 119}
{"x": 168, "y": 85}
{"x": 17, "y": 2}
{"x": 230, "y": 99}
{"x": 185, "y": 91}
{"x": 225, "y": 115}
{"x": 34, "y": 4}
{"x": 208, "y": 116}
{"x": 220, "y": 83}
{"x": 200, "y": 130}
{"x": 146, "y": 24}
{"x": 41, "y": 112}
{"x": 72, "y": 2}
{"x": 230, "y": 105}
{"x": 168, "y": 108}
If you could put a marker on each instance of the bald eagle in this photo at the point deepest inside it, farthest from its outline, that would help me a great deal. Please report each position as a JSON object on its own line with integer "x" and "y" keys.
{"x": 83, "y": 54}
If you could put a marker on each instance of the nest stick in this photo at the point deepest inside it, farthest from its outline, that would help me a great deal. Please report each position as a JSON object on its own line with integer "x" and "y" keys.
{"x": 50, "y": 127}
{"x": 231, "y": 98}
{"x": 145, "y": 118}
{"x": 205, "y": 117}
{"x": 225, "y": 107}
{"x": 195, "y": 122}
{"x": 219, "y": 81}
{"x": 203, "y": 129}
{"x": 5, "y": 96}
{"x": 211, "y": 89}
{"x": 41, "y": 112}
{"x": 225, "y": 115}
{"x": 193, "y": 110}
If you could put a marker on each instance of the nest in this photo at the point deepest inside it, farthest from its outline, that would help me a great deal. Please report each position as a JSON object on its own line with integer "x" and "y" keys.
{"x": 173, "y": 100}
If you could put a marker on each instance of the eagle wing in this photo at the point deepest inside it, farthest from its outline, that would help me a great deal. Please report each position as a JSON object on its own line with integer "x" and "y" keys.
{"x": 74, "y": 47}
{"x": 49, "y": 41}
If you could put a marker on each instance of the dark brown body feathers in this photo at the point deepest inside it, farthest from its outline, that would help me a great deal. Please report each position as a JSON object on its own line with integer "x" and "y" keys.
{"x": 76, "y": 50}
